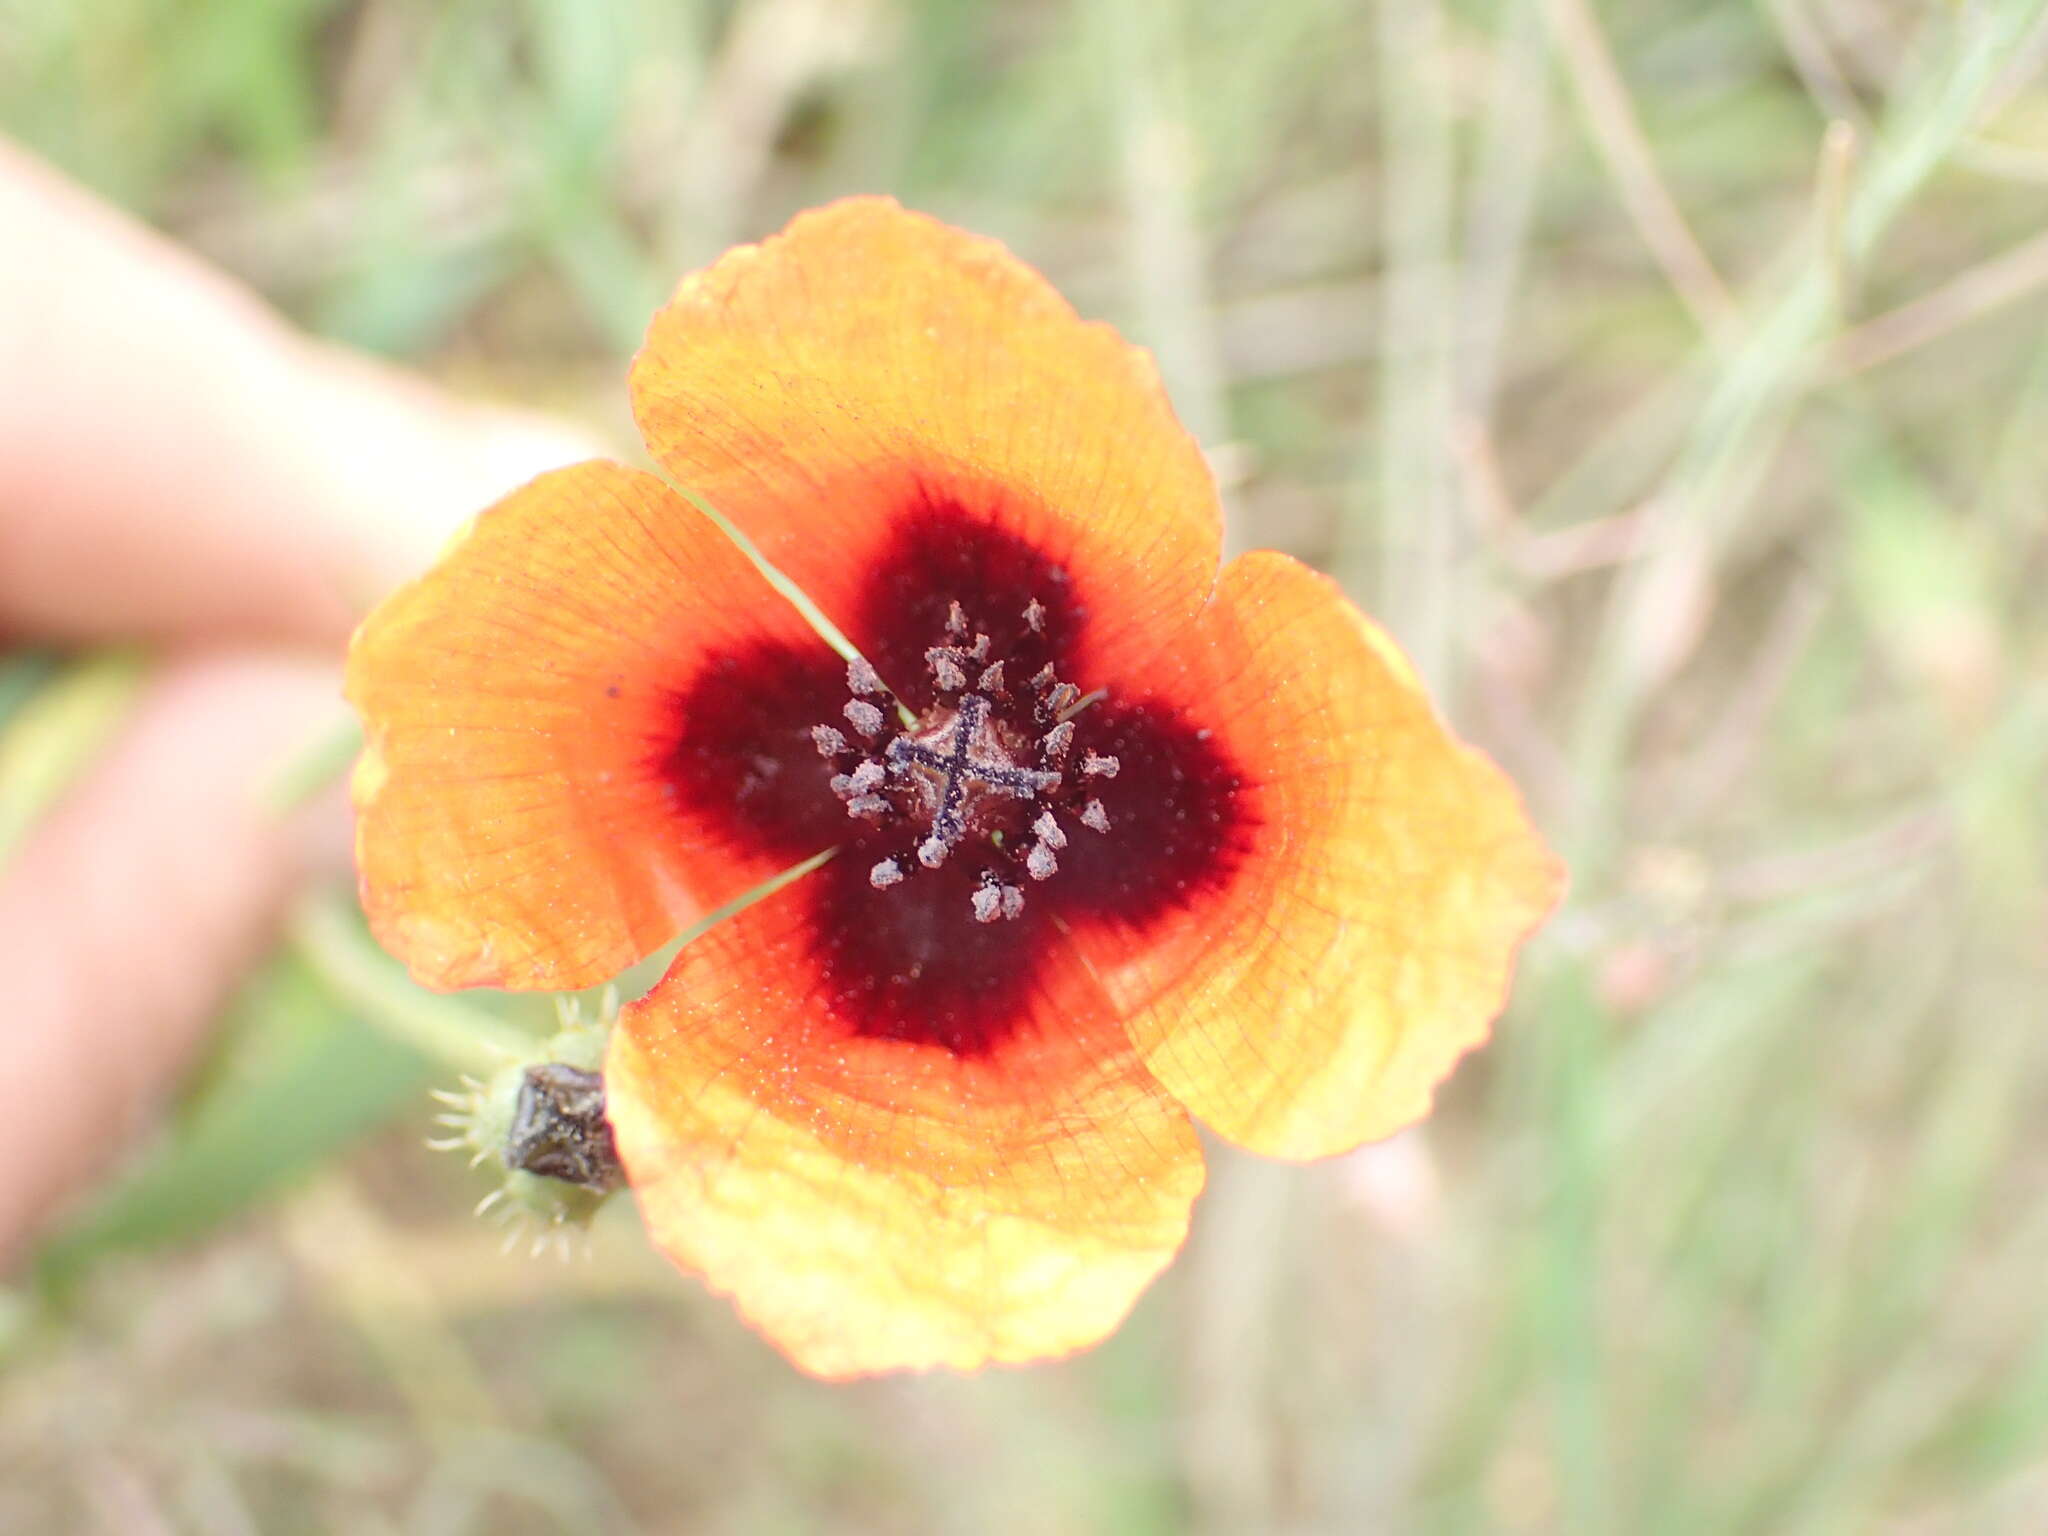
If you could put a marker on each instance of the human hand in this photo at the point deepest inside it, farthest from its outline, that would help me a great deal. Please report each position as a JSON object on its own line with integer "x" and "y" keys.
{"x": 178, "y": 467}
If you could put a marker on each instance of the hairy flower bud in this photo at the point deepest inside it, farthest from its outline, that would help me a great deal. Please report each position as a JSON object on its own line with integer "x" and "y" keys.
{"x": 540, "y": 1122}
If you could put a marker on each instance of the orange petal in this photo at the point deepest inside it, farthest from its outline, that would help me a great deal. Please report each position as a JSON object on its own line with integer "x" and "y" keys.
{"x": 875, "y": 1203}
{"x": 871, "y": 368}
{"x": 1380, "y": 878}
{"x": 538, "y": 797}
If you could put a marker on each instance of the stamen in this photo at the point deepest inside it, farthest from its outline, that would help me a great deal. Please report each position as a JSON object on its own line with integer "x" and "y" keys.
{"x": 1083, "y": 702}
{"x": 863, "y": 678}
{"x": 942, "y": 772}
{"x": 993, "y": 901}
{"x": 1048, "y": 830}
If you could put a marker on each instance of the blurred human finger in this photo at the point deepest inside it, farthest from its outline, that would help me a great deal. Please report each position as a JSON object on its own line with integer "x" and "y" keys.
{"x": 128, "y": 913}
{"x": 175, "y": 460}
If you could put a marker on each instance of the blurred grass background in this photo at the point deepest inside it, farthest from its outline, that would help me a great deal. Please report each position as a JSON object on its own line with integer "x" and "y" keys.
{"x": 1672, "y": 376}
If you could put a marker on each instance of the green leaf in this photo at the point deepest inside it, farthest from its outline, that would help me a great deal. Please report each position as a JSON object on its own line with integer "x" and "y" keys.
{"x": 297, "y": 1078}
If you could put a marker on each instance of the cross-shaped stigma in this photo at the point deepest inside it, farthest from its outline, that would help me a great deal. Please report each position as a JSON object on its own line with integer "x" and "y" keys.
{"x": 960, "y": 758}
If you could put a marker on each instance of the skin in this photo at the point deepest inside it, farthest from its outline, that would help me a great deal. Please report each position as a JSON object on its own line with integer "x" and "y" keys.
{"x": 178, "y": 467}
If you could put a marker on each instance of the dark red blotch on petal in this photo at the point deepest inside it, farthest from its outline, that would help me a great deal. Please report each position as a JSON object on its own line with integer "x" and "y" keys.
{"x": 913, "y": 964}
{"x": 1178, "y": 827}
{"x": 911, "y": 960}
{"x": 941, "y": 553}
{"x": 743, "y": 759}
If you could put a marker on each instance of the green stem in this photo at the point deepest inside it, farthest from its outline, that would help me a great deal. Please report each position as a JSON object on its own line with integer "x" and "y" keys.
{"x": 1418, "y": 512}
{"x": 329, "y": 937}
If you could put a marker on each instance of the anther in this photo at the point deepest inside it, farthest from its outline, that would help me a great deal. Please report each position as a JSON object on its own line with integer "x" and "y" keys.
{"x": 946, "y": 668}
{"x": 863, "y": 678}
{"x": 1099, "y": 764}
{"x": 991, "y": 678}
{"x": 1062, "y": 695}
{"x": 1048, "y": 830}
{"x": 1034, "y": 616}
{"x": 993, "y": 902}
{"x": 1039, "y": 863}
{"x": 827, "y": 740}
{"x": 1044, "y": 677}
{"x": 885, "y": 874}
{"x": 931, "y": 853}
{"x": 863, "y": 717}
{"x": 980, "y": 650}
{"x": 866, "y": 805}
{"x": 867, "y": 776}
{"x": 1058, "y": 740}
{"x": 1094, "y": 817}
{"x": 956, "y": 619}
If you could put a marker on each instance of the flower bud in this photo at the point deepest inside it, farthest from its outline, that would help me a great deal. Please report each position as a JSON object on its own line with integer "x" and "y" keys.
{"x": 540, "y": 1122}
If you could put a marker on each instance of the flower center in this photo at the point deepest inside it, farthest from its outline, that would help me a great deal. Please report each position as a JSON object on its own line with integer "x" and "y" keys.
{"x": 989, "y": 772}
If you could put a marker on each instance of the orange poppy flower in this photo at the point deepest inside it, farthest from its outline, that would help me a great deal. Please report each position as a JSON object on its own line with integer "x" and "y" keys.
{"x": 1121, "y": 838}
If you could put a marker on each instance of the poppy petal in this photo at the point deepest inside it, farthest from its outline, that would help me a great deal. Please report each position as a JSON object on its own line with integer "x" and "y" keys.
{"x": 870, "y": 371}
{"x": 1357, "y": 936}
{"x": 874, "y": 1203}
{"x": 539, "y": 800}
